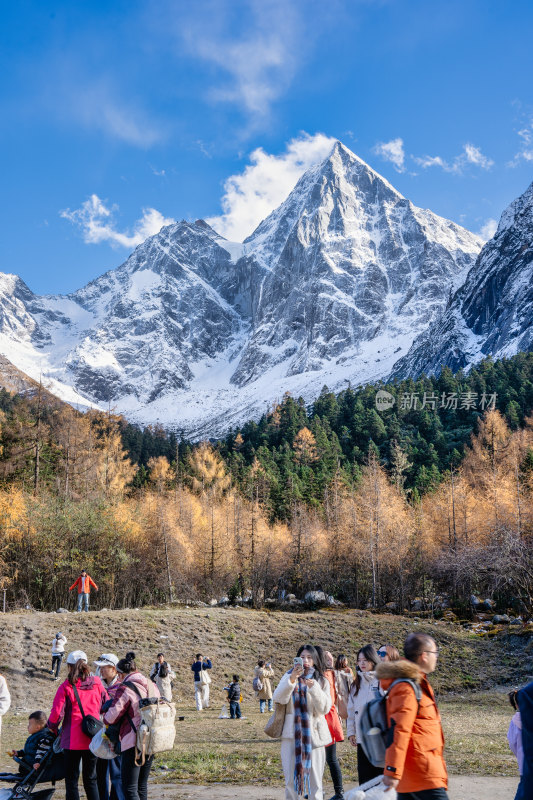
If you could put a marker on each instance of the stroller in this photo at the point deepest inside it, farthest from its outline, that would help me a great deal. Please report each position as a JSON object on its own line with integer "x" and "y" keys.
{"x": 51, "y": 770}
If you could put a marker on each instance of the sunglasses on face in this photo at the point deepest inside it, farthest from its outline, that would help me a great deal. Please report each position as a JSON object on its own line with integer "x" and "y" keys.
{"x": 382, "y": 653}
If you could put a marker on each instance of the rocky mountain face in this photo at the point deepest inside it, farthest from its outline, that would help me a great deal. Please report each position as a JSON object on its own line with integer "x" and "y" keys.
{"x": 351, "y": 262}
{"x": 492, "y": 312}
{"x": 198, "y": 333}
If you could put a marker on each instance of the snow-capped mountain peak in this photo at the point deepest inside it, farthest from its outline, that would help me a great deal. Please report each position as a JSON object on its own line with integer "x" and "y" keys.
{"x": 200, "y": 333}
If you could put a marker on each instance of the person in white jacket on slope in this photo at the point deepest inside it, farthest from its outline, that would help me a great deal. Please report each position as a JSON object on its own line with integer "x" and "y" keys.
{"x": 302, "y": 750}
{"x": 58, "y": 651}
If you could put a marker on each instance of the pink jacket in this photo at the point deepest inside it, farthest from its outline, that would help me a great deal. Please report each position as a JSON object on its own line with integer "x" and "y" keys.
{"x": 65, "y": 707}
{"x": 126, "y": 705}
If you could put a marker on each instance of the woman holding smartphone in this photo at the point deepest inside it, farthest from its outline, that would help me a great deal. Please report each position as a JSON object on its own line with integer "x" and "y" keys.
{"x": 305, "y": 692}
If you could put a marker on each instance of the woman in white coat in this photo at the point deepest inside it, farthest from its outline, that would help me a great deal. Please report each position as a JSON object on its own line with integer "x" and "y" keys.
{"x": 306, "y": 694}
{"x": 5, "y": 699}
{"x": 365, "y": 687}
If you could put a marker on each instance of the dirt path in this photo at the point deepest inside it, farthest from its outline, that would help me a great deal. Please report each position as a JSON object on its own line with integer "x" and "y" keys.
{"x": 467, "y": 787}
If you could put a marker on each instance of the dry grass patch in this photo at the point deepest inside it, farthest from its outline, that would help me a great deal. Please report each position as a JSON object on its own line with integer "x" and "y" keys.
{"x": 209, "y": 749}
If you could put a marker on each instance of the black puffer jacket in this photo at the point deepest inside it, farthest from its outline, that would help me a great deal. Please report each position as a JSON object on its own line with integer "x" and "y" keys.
{"x": 234, "y": 692}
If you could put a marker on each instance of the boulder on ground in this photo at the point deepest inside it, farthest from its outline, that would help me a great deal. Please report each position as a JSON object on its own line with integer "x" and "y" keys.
{"x": 316, "y": 598}
{"x": 62, "y": 611}
{"x": 500, "y": 619}
{"x": 516, "y": 621}
{"x": 213, "y": 602}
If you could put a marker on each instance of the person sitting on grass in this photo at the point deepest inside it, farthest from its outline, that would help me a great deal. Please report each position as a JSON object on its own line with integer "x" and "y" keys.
{"x": 37, "y": 744}
{"x": 234, "y": 697}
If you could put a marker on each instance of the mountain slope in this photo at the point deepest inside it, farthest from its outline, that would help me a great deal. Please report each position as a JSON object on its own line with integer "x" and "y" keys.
{"x": 201, "y": 334}
{"x": 492, "y": 312}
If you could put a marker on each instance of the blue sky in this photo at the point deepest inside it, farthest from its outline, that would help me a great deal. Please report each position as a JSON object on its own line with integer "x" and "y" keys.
{"x": 118, "y": 116}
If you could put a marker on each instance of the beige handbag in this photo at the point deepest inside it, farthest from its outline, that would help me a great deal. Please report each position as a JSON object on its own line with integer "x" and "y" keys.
{"x": 343, "y": 682}
{"x": 204, "y": 678}
{"x": 274, "y": 726}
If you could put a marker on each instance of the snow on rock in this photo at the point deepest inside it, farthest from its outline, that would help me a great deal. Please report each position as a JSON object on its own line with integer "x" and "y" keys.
{"x": 492, "y": 311}
{"x": 200, "y": 334}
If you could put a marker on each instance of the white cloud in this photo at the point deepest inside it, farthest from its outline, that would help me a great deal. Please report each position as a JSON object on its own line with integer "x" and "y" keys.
{"x": 95, "y": 220}
{"x": 97, "y": 107}
{"x": 488, "y": 229}
{"x": 98, "y": 103}
{"x": 525, "y": 152}
{"x": 470, "y": 155}
{"x": 431, "y": 161}
{"x": 392, "y": 151}
{"x": 251, "y": 195}
{"x": 254, "y": 61}
{"x": 473, "y": 155}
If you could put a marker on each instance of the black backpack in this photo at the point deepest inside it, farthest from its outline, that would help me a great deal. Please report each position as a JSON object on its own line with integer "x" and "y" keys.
{"x": 163, "y": 670}
{"x": 376, "y": 733}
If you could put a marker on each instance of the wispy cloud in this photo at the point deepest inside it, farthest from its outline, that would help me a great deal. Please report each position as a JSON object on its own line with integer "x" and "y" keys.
{"x": 392, "y": 151}
{"x": 471, "y": 155}
{"x": 265, "y": 182}
{"x": 254, "y": 61}
{"x": 525, "y": 151}
{"x": 488, "y": 229}
{"x": 96, "y": 221}
{"x": 98, "y": 106}
{"x": 77, "y": 93}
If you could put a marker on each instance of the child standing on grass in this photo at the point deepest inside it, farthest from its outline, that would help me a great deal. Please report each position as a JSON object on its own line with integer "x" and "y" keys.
{"x": 234, "y": 697}
{"x": 514, "y": 734}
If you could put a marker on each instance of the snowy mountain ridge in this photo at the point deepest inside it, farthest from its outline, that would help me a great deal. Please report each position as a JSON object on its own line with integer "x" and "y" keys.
{"x": 335, "y": 286}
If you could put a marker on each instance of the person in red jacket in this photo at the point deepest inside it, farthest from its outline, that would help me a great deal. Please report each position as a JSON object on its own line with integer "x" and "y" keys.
{"x": 84, "y": 583}
{"x": 414, "y": 762}
{"x": 82, "y": 694}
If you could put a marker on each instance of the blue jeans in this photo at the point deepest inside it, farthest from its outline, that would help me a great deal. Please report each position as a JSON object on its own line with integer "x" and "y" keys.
{"x": 83, "y": 598}
{"x": 424, "y": 794}
{"x": 57, "y": 658}
{"x": 262, "y": 706}
{"x": 235, "y": 709}
{"x": 109, "y": 771}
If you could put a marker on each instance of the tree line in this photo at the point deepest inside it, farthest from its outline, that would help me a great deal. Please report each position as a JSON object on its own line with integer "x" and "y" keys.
{"x": 423, "y": 504}
{"x": 418, "y": 439}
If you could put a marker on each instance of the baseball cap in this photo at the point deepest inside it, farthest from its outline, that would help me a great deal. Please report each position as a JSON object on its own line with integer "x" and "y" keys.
{"x": 76, "y": 655}
{"x": 106, "y": 660}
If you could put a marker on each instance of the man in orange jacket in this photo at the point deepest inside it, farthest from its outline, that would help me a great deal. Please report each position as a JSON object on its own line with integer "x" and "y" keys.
{"x": 84, "y": 583}
{"x": 414, "y": 762}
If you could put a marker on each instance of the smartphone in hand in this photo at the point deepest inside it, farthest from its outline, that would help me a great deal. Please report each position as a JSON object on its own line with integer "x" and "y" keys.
{"x": 299, "y": 662}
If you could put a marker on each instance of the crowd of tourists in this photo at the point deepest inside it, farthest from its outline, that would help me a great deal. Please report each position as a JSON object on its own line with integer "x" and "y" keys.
{"x": 318, "y": 702}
